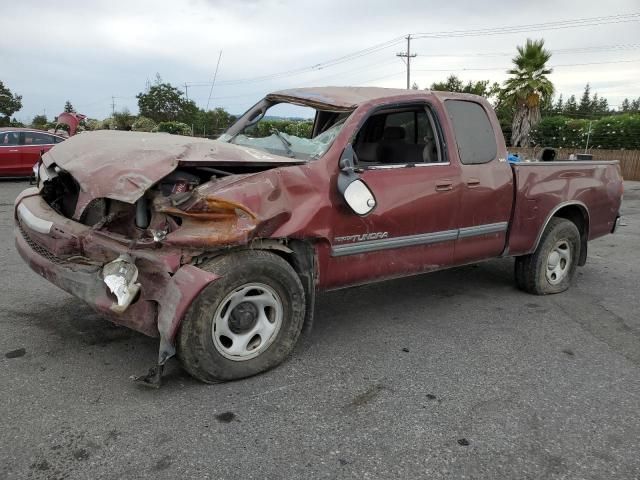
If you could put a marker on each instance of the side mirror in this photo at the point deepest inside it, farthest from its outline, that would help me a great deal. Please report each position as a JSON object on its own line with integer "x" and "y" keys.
{"x": 359, "y": 198}
{"x": 354, "y": 191}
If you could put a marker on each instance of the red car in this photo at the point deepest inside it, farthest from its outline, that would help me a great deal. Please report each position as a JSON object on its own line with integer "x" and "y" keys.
{"x": 21, "y": 148}
{"x": 218, "y": 247}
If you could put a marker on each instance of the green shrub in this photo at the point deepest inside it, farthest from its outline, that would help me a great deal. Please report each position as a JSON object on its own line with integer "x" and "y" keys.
{"x": 144, "y": 124}
{"x": 176, "y": 128}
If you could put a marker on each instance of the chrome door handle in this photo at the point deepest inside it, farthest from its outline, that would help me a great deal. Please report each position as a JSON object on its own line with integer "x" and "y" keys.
{"x": 444, "y": 186}
{"x": 14, "y": 151}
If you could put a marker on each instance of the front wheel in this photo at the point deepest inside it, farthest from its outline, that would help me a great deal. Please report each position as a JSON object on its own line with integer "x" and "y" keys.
{"x": 244, "y": 323}
{"x": 551, "y": 268}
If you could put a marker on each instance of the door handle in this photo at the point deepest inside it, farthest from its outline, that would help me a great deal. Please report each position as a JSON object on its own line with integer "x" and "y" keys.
{"x": 444, "y": 186}
{"x": 473, "y": 182}
{"x": 14, "y": 151}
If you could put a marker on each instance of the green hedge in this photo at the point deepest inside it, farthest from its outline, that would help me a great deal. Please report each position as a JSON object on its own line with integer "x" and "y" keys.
{"x": 300, "y": 129}
{"x": 611, "y": 132}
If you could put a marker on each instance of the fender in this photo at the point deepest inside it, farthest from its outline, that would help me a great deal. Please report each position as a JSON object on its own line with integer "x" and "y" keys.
{"x": 584, "y": 235}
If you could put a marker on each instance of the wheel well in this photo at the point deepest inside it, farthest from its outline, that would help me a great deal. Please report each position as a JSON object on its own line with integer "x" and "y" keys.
{"x": 300, "y": 254}
{"x": 580, "y": 218}
{"x": 302, "y": 257}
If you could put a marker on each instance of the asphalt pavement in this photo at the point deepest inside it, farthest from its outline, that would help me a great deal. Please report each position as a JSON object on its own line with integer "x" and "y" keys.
{"x": 454, "y": 374}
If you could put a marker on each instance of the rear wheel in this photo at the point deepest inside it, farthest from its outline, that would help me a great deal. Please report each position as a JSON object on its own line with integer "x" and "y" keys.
{"x": 551, "y": 268}
{"x": 244, "y": 323}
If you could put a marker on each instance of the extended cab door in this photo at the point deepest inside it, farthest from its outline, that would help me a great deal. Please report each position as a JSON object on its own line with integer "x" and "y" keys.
{"x": 401, "y": 158}
{"x": 486, "y": 179}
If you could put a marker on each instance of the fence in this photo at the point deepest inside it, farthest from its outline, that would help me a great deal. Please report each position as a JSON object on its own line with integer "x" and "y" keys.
{"x": 629, "y": 159}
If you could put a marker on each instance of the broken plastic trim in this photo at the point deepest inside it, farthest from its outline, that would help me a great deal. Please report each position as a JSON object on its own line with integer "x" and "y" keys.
{"x": 120, "y": 276}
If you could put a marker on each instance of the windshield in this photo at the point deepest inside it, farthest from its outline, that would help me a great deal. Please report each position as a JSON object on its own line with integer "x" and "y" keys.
{"x": 287, "y": 130}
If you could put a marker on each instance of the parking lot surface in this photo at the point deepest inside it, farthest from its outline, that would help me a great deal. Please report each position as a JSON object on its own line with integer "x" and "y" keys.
{"x": 454, "y": 374}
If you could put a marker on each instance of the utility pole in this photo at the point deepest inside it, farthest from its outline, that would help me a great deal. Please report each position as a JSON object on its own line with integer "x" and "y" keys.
{"x": 113, "y": 105}
{"x": 586, "y": 147}
{"x": 408, "y": 55}
{"x": 186, "y": 91}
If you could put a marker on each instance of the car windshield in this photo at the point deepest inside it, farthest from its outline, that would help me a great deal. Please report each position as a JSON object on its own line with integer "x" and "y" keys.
{"x": 286, "y": 129}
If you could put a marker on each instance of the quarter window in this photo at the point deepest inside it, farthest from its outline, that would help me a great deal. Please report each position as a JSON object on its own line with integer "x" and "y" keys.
{"x": 37, "y": 138}
{"x": 474, "y": 134}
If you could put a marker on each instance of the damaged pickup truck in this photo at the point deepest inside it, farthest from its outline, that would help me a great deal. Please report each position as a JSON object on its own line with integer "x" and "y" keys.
{"x": 219, "y": 247}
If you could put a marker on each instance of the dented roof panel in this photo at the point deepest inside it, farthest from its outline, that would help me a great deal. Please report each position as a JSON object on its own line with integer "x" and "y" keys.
{"x": 342, "y": 98}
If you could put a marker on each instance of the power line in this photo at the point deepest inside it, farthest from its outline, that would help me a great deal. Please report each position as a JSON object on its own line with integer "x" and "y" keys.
{"x": 560, "y": 24}
{"x": 504, "y": 68}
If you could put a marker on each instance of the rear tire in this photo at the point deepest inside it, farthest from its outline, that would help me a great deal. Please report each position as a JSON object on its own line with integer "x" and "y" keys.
{"x": 551, "y": 268}
{"x": 244, "y": 323}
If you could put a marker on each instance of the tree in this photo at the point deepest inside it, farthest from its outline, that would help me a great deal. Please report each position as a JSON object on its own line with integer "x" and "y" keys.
{"x": 212, "y": 122}
{"x": 585, "y": 101}
{"x": 68, "y": 108}
{"x": 39, "y": 121}
{"x": 484, "y": 88}
{"x": 164, "y": 103}
{"x": 123, "y": 120}
{"x": 10, "y": 103}
{"x": 571, "y": 107}
{"x": 625, "y": 106}
{"x": 528, "y": 88}
{"x": 559, "y": 106}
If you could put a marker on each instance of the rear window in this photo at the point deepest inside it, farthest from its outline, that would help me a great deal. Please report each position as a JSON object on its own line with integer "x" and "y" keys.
{"x": 474, "y": 133}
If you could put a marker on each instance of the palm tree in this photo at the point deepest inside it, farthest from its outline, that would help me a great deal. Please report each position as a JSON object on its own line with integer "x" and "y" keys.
{"x": 528, "y": 88}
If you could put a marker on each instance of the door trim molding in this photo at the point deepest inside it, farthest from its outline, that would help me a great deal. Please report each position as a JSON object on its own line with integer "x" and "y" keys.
{"x": 416, "y": 240}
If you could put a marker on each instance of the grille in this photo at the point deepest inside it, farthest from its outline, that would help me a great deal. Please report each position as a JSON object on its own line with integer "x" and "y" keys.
{"x": 40, "y": 249}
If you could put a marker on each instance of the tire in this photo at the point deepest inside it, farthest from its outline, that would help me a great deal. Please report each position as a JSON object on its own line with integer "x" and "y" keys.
{"x": 258, "y": 292}
{"x": 551, "y": 268}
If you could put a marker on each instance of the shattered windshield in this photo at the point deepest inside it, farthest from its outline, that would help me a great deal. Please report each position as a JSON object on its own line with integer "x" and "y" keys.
{"x": 287, "y": 130}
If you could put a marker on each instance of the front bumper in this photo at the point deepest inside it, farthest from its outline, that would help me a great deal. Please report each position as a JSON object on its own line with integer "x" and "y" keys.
{"x": 72, "y": 256}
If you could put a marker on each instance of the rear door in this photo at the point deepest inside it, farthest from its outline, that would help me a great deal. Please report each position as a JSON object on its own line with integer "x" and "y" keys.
{"x": 10, "y": 153}
{"x": 414, "y": 224}
{"x": 32, "y": 146}
{"x": 486, "y": 178}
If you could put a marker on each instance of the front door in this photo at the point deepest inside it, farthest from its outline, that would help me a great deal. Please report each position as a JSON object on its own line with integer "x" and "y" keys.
{"x": 413, "y": 227}
{"x": 10, "y": 153}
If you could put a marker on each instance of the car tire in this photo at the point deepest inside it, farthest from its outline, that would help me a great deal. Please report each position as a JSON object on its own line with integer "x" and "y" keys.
{"x": 551, "y": 268}
{"x": 244, "y": 323}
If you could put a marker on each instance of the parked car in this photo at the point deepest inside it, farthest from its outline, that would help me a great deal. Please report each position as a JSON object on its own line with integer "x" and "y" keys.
{"x": 20, "y": 149}
{"x": 219, "y": 247}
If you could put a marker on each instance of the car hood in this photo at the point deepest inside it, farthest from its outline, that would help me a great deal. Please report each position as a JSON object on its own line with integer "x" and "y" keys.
{"x": 123, "y": 165}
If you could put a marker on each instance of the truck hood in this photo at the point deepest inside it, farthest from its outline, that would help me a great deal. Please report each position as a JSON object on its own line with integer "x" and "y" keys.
{"x": 123, "y": 165}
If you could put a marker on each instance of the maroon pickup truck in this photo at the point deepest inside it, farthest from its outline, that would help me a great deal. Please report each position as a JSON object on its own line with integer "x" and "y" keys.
{"x": 219, "y": 247}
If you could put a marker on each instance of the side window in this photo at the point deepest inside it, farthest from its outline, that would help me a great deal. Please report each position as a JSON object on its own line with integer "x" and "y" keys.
{"x": 9, "y": 138}
{"x": 37, "y": 138}
{"x": 398, "y": 137}
{"x": 403, "y": 123}
{"x": 474, "y": 134}
{"x": 57, "y": 139}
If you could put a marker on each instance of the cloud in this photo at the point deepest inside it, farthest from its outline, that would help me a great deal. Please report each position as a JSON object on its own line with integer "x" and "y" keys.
{"x": 88, "y": 52}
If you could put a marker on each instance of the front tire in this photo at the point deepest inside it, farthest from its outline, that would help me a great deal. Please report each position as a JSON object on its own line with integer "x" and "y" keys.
{"x": 551, "y": 268}
{"x": 244, "y": 323}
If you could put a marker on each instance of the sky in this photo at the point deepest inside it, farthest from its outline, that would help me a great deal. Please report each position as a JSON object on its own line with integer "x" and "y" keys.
{"x": 89, "y": 52}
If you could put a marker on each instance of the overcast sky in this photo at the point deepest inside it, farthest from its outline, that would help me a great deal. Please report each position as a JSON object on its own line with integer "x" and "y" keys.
{"x": 87, "y": 52}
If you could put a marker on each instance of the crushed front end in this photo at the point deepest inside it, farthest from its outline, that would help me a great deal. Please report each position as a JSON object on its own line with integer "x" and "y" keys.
{"x": 134, "y": 262}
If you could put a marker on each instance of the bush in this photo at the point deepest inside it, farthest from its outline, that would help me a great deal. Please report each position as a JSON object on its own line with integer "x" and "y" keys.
{"x": 300, "y": 129}
{"x": 176, "y": 128}
{"x": 144, "y": 124}
{"x": 611, "y": 132}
